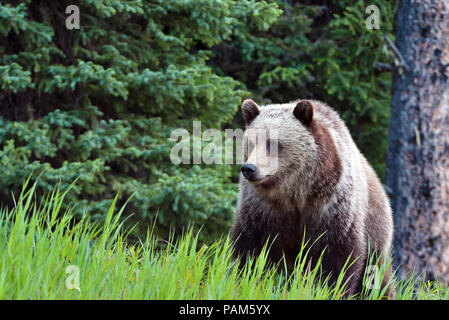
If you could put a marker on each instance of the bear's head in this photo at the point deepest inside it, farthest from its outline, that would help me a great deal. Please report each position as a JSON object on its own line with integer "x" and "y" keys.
{"x": 279, "y": 144}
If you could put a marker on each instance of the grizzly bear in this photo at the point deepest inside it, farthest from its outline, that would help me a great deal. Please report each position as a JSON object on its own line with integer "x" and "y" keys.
{"x": 320, "y": 191}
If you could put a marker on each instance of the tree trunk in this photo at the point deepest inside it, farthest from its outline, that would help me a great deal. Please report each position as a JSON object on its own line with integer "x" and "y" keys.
{"x": 418, "y": 152}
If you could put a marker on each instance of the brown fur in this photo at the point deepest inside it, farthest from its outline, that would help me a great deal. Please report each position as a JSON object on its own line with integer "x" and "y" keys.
{"x": 323, "y": 186}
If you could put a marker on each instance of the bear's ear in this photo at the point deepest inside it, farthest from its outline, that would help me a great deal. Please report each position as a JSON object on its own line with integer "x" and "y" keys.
{"x": 250, "y": 111}
{"x": 304, "y": 112}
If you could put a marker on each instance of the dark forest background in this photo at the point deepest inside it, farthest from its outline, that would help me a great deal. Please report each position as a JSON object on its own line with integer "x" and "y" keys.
{"x": 99, "y": 103}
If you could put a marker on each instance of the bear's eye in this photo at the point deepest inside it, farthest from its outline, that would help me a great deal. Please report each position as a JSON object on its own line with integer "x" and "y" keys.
{"x": 248, "y": 148}
{"x": 273, "y": 144}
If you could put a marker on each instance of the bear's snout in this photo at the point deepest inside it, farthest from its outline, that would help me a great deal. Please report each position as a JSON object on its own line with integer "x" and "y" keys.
{"x": 249, "y": 171}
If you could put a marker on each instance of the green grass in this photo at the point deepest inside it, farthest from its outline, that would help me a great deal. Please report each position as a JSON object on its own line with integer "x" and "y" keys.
{"x": 39, "y": 245}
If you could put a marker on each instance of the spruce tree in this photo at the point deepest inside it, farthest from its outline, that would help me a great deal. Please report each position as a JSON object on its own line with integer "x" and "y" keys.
{"x": 98, "y": 103}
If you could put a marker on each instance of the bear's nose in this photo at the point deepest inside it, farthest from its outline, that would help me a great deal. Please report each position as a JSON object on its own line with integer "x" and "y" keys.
{"x": 248, "y": 170}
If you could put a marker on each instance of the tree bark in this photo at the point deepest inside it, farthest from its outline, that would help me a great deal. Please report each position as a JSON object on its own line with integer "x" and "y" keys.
{"x": 418, "y": 151}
